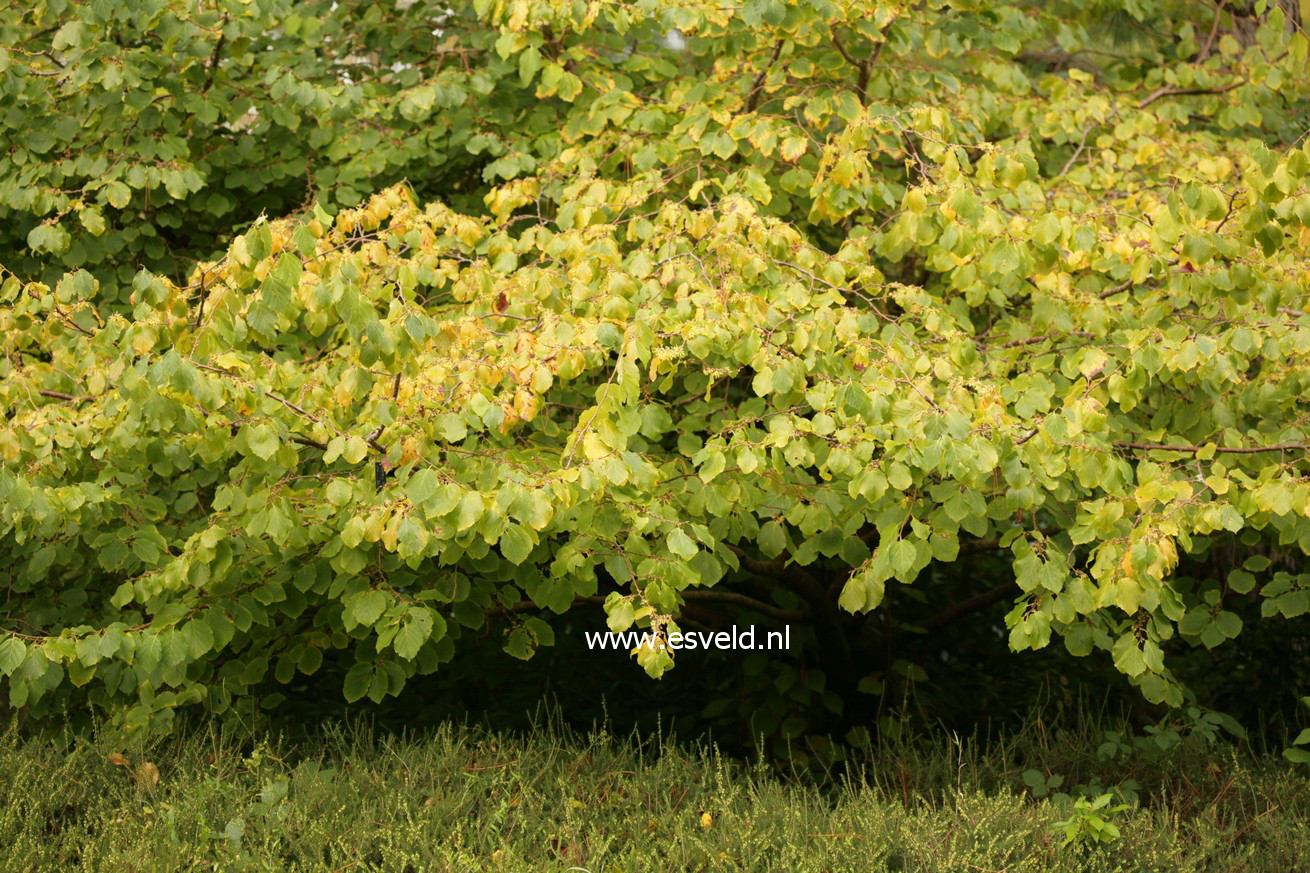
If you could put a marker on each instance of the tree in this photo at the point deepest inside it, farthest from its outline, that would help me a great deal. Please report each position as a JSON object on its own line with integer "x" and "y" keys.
{"x": 800, "y": 307}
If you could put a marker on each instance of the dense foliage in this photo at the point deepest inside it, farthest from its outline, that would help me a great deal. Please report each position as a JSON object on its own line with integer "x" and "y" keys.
{"x": 801, "y": 310}
{"x": 138, "y": 134}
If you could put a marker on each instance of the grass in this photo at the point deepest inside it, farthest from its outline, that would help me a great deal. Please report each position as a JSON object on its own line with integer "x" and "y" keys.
{"x": 460, "y": 798}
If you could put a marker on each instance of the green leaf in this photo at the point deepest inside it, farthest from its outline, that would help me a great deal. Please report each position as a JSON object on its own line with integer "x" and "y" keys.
{"x": 12, "y": 653}
{"x": 311, "y": 659}
{"x": 412, "y": 537}
{"x": 422, "y": 486}
{"x": 357, "y": 682}
{"x": 1228, "y": 624}
{"x": 772, "y": 539}
{"x": 534, "y": 509}
{"x": 445, "y": 499}
{"x": 862, "y": 592}
{"x": 377, "y": 689}
{"x": 681, "y": 545}
{"x": 117, "y": 194}
{"x": 355, "y": 450}
{"x": 902, "y": 555}
{"x": 520, "y": 644}
{"x": 366, "y": 607}
{"x": 619, "y": 615}
{"x": 414, "y": 632}
{"x": 353, "y": 532}
{"x": 453, "y": 429}
{"x": 966, "y": 206}
{"x": 262, "y": 441}
{"x": 339, "y": 492}
{"x": 713, "y": 466}
{"x": 470, "y": 510}
{"x": 898, "y": 476}
{"x": 259, "y": 242}
{"x": 1128, "y": 657}
{"x": 516, "y": 544}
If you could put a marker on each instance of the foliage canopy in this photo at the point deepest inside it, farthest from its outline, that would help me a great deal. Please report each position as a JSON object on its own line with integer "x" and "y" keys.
{"x": 139, "y": 134}
{"x": 785, "y": 309}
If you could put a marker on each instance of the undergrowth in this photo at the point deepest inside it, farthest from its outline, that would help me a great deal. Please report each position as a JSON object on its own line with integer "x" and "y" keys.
{"x": 461, "y": 798}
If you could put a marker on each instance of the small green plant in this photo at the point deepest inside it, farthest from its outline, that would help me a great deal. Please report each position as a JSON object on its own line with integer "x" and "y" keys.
{"x": 1091, "y": 822}
{"x": 1127, "y": 791}
{"x": 1160, "y": 740}
{"x": 1043, "y": 786}
{"x": 1208, "y": 722}
{"x": 1300, "y": 756}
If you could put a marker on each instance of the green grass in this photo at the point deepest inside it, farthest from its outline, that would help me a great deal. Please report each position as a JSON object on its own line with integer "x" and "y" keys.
{"x": 463, "y": 799}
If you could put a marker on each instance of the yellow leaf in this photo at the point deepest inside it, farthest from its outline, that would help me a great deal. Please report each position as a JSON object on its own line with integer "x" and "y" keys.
{"x": 143, "y": 341}
{"x": 843, "y": 173}
{"x": 1129, "y": 594}
{"x": 542, "y": 380}
{"x": 792, "y": 148}
{"x": 593, "y": 448}
{"x": 147, "y": 775}
{"x": 1093, "y": 362}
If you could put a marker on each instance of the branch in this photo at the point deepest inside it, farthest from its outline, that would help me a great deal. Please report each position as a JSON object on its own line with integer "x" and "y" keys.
{"x": 275, "y": 396}
{"x": 63, "y": 316}
{"x": 748, "y": 602}
{"x": 1245, "y": 450}
{"x": 1185, "y": 92}
{"x": 1229, "y": 213}
{"x": 214, "y": 58}
{"x": 204, "y": 286}
{"x": 1214, "y": 31}
{"x": 754, "y": 565}
{"x": 1033, "y": 340}
{"x": 1082, "y": 143}
{"x": 529, "y": 606}
{"x": 753, "y": 98}
{"x": 1115, "y": 289}
{"x": 845, "y": 54}
{"x": 372, "y": 438}
{"x": 293, "y": 407}
{"x": 823, "y": 611}
{"x": 964, "y": 607}
{"x": 864, "y": 66}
